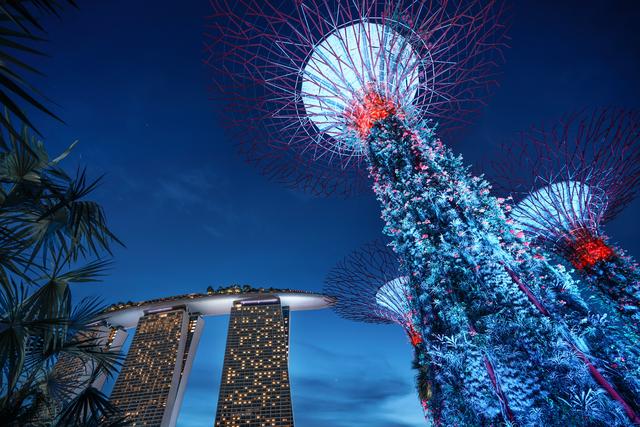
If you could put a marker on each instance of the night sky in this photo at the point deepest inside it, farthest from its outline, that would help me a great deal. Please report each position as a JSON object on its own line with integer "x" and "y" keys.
{"x": 128, "y": 80}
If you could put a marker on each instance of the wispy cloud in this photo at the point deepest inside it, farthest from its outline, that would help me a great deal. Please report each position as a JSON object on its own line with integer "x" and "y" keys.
{"x": 213, "y": 231}
{"x": 203, "y": 191}
{"x": 195, "y": 189}
{"x": 363, "y": 398}
{"x": 353, "y": 395}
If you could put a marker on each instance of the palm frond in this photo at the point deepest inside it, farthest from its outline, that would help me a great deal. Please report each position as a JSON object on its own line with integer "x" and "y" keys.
{"x": 36, "y": 331}
{"x": 90, "y": 350}
{"x": 59, "y": 386}
{"x": 21, "y": 11}
{"x": 12, "y": 335}
{"x": 48, "y": 205}
{"x": 90, "y": 407}
{"x": 18, "y": 18}
{"x": 90, "y": 272}
{"x": 12, "y": 245}
{"x": 80, "y": 225}
{"x": 85, "y": 313}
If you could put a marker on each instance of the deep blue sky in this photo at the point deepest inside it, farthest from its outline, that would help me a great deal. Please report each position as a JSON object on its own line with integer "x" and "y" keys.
{"x": 128, "y": 78}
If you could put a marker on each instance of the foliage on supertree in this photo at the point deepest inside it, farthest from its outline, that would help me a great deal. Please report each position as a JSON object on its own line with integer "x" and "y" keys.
{"x": 355, "y": 86}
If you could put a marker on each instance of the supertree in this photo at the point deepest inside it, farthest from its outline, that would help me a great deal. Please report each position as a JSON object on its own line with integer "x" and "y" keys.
{"x": 355, "y": 86}
{"x": 369, "y": 286}
{"x": 569, "y": 180}
{"x": 276, "y": 64}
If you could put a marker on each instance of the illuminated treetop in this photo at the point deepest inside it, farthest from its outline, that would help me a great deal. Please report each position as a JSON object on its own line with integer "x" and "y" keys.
{"x": 572, "y": 177}
{"x": 307, "y": 79}
{"x": 368, "y": 287}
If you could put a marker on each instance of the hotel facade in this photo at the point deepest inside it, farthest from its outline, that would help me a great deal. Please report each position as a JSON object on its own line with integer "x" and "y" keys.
{"x": 151, "y": 384}
{"x": 255, "y": 388}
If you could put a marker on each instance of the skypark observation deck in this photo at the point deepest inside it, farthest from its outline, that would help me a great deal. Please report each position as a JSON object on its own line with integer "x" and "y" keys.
{"x": 213, "y": 303}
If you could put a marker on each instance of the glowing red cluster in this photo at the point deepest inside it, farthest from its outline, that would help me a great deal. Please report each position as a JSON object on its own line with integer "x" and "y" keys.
{"x": 414, "y": 336}
{"x": 588, "y": 251}
{"x": 366, "y": 111}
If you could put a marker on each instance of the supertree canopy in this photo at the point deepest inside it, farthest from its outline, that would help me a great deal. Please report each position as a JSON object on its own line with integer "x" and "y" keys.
{"x": 323, "y": 91}
{"x": 571, "y": 178}
{"x": 368, "y": 286}
{"x": 304, "y": 81}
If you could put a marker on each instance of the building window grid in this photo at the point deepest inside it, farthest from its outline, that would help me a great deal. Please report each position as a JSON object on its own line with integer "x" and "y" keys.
{"x": 255, "y": 386}
{"x": 145, "y": 382}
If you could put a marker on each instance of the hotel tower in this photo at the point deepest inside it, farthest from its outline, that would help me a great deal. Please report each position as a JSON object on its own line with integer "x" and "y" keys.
{"x": 255, "y": 390}
{"x": 152, "y": 381}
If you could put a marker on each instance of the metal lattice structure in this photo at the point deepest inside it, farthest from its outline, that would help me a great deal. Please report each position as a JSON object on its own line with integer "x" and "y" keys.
{"x": 571, "y": 178}
{"x": 368, "y": 286}
{"x": 293, "y": 76}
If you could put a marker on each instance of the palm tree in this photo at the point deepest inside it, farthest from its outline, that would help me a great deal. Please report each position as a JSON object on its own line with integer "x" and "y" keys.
{"x": 51, "y": 236}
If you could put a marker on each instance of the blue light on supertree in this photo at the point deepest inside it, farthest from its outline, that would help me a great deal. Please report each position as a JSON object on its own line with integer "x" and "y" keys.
{"x": 325, "y": 93}
{"x": 368, "y": 286}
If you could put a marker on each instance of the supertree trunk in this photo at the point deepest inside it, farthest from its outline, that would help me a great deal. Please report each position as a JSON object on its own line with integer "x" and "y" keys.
{"x": 612, "y": 285}
{"x": 483, "y": 301}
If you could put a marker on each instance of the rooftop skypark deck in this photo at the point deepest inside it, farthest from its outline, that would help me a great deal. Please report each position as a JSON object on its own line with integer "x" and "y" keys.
{"x": 213, "y": 303}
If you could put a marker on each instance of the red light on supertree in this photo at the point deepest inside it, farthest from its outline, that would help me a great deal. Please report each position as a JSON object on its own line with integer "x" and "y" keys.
{"x": 414, "y": 336}
{"x": 589, "y": 251}
{"x": 362, "y": 114}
